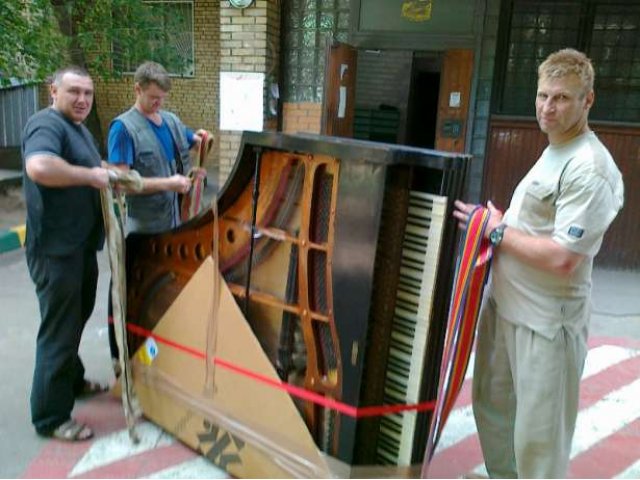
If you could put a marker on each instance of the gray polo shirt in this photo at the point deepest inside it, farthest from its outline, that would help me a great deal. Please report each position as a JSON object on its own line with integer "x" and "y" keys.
{"x": 572, "y": 194}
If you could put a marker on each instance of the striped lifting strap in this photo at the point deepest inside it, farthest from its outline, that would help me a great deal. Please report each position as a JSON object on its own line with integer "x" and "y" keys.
{"x": 192, "y": 202}
{"x": 114, "y": 217}
{"x": 472, "y": 268}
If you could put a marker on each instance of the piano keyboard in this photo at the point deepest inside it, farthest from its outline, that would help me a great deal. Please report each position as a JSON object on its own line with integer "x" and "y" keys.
{"x": 410, "y": 327}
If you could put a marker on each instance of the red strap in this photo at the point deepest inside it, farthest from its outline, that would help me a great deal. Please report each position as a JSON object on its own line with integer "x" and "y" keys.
{"x": 356, "y": 412}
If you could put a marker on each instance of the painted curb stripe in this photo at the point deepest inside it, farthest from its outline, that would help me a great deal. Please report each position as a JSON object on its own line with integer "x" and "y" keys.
{"x": 12, "y": 239}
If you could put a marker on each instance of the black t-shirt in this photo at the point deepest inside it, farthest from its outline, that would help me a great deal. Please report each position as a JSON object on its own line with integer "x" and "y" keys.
{"x": 61, "y": 220}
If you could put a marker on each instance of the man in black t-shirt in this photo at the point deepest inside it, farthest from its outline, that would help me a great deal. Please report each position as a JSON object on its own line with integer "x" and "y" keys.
{"x": 63, "y": 175}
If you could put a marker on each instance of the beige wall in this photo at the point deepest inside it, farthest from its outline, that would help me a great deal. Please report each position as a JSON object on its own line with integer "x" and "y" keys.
{"x": 249, "y": 42}
{"x": 301, "y": 117}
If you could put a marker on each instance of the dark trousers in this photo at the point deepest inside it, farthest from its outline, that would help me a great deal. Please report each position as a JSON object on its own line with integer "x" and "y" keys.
{"x": 66, "y": 288}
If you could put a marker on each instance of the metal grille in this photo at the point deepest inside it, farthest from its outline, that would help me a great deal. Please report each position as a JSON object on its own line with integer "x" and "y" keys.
{"x": 307, "y": 24}
{"x": 615, "y": 52}
{"x": 608, "y": 34}
{"x": 170, "y": 39}
{"x": 537, "y": 29}
{"x": 17, "y": 104}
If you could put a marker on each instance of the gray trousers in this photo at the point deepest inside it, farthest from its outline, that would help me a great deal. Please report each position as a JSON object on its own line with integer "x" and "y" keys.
{"x": 525, "y": 397}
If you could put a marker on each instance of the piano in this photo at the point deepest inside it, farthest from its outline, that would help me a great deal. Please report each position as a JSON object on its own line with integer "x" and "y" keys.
{"x": 340, "y": 254}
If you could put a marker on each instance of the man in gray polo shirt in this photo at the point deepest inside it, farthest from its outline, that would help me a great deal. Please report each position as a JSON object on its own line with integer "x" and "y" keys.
{"x": 532, "y": 337}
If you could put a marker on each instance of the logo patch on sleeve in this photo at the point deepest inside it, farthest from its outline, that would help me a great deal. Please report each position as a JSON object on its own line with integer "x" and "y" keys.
{"x": 576, "y": 232}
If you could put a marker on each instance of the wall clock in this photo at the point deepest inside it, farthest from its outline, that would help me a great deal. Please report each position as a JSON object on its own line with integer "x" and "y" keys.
{"x": 240, "y": 3}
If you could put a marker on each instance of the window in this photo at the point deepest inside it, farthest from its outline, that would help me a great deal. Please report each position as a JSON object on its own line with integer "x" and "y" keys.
{"x": 609, "y": 33}
{"x": 307, "y": 24}
{"x": 162, "y": 31}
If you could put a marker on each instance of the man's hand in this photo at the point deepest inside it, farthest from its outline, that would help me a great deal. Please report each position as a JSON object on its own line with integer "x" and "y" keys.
{"x": 463, "y": 210}
{"x": 495, "y": 218}
{"x": 197, "y": 138}
{"x": 180, "y": 183}
{"x": 461, "y": 213}
{"x": 99, "y": 177}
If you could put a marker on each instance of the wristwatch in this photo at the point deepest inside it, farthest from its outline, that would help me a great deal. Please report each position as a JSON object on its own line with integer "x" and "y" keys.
{"x": 496, "y": 235}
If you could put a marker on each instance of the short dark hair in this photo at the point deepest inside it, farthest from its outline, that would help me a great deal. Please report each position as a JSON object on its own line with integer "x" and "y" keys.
{"x": 152, "y": 72}
{"x": 56, "y": 78}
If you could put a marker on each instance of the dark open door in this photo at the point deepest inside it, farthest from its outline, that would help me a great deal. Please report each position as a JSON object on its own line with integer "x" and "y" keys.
{"x": 339, "y": 89}
{"x": 453, "y": 103}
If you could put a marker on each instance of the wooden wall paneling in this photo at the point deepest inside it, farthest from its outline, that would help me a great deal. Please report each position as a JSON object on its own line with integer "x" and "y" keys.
{"x": 515, "y": 144}
{"x": 455, "y": 83}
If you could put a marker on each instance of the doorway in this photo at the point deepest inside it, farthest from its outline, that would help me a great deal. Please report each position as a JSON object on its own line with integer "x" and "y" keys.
{"x": 422, "y": 115}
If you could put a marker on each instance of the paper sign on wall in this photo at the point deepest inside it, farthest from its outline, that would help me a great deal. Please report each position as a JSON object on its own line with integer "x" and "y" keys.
{"x": 241, "y": 101}
{"x": 454, "y": 99}
{"x": 342, "y": 102}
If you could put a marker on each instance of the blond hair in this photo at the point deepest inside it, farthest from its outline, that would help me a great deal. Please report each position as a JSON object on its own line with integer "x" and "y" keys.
{"x": 568, "y": 62}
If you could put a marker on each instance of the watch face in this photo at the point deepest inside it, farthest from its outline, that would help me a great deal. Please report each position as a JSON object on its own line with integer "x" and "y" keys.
{"x": 495, "y": 237}
{"x": 240, "y": 3}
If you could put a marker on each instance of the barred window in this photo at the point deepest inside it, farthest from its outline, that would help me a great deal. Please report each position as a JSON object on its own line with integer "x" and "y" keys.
{"x": 164, "y": 34}
{"x": 615, "y": 51}
{"x": 608, "y": 33}
{"x": 308, "y": 23}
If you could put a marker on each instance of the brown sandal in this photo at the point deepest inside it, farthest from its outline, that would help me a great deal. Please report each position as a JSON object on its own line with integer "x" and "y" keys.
{"x": 90, "y": 389}
{"x": 72, "y": 431}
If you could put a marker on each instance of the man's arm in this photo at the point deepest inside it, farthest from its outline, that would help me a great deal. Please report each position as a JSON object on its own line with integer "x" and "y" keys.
{"x": 120, "y": 147}
{"x": 177, "y": 183}
{"x": 541, "y": 252}
{"x": 52, "y": 171}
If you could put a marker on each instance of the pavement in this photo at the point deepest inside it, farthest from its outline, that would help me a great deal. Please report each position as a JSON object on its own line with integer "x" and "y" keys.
{"x": 606, "y": 445}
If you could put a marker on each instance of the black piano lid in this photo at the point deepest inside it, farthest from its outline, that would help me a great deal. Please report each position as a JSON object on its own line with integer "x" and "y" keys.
{"x": 352, "y": 149}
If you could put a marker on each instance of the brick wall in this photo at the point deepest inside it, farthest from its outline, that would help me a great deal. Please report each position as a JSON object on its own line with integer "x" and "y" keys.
{"x": 301, "y": 117}
{"x": 249, "y": 42}
{"x": 194, "y": 100}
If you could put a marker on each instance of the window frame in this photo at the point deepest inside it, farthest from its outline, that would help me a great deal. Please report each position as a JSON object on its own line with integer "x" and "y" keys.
{"x": 620, "y": 111}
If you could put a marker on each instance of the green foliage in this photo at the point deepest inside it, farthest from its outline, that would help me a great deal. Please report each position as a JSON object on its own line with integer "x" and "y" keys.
{"x": 108, "y": 37}
{"x": 32, "y": 44}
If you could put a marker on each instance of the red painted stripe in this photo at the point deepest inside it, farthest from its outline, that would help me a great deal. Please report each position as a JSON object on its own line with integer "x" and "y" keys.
{"x": 459, "y": 459}
{"x": 594, "y": 387}
{"x": 56, "y": 459}
{"x": 611, "y": 456}
{"x": 617, "y": 341}
{"x": 143, "y": 464}
{"x": 610, "y": 379}
{"x": 456, "y": 460}
{"x": 464, "y": 397}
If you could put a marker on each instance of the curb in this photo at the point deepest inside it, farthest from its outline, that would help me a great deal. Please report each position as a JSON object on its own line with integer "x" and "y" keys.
{"x": 12, "y": 239}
